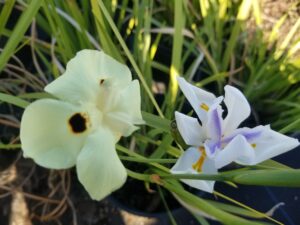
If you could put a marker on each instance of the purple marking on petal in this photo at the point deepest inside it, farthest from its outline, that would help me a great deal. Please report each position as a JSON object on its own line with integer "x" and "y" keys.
{"x": 250, "y": 135}
{"x": 213, "y": 146}
{"x": 217, "y": 124}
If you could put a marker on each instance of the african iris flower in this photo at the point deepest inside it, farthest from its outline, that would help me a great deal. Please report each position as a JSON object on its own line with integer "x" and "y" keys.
{"x": 97, "y": 103}
{"x": 218, "y": 141}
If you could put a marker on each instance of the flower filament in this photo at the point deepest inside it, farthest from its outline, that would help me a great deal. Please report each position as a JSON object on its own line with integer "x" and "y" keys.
{"x": 199, "y": 164}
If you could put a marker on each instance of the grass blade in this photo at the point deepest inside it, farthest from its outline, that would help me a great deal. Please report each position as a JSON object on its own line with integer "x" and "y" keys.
{"x": 13, "y": 100}
{"x": 179, "y": 23}
{"x": 129, "y": 55}
{"x": 19, "y": 31}
{"x": 5, "y": 12}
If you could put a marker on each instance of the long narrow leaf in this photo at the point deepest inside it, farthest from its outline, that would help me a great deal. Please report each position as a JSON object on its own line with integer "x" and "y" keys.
{"x": 129, "y": 56}
{"x": 19, "y": 31}
{"x": 13, "y": 100}
{"x": 5, "y": 12}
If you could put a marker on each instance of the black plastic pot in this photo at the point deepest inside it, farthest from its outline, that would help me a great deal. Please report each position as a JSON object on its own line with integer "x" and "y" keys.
{"x": 131, "y": 216}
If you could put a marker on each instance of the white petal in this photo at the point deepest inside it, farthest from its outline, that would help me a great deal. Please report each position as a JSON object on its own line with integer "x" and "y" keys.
{"x": 238, "y": 148}
{"x": 238, "y": 109}
{"x": 99, "y": 168}
{"x": 268, "y": 145}
{"x": 126, "y": 111}
{"x": 190, "y": 129}
{"x": 196, "y": 97}
{"x": 86, "y": 74}
{"x": 47, "y": 136}
{"x": 185, "y": 165}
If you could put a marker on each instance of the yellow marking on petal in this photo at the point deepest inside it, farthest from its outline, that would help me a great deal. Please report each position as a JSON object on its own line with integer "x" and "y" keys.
{"x": 253, "y": 145}
{"x": 204, "y": 107}
{"x": 198, "y": 165}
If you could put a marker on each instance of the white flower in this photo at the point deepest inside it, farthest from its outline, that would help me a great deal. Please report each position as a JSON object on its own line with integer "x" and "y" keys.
{"x": 98, "y": 103}
{"x": 216, "y": 141}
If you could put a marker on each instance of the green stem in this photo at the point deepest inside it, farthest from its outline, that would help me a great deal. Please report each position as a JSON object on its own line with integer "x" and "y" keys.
{"x": 264, "y": 215}
{"x": 267, "y": 177}
{"x": 138, "y": 176}
{"x": 10, "y": 146}
{"x": 290, "y": 126}
{"x": 138, "y": 156}
{"x": 216, "y": 177}
{"x": 133, "y": 159}
{"x": 173, "y": 221}
{"x": 207, "y": 208}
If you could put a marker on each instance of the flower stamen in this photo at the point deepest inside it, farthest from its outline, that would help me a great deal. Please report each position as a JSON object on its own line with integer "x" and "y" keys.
{"x": 199, "y": 164}
{"x": 204, "y": 107}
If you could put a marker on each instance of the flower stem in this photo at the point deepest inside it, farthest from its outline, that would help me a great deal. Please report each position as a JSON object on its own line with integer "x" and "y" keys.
{"x": 134, "y": 159}
{"x": 138, "y": 176}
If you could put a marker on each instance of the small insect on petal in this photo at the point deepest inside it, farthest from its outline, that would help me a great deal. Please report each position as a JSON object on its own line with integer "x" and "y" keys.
{"x": 102, "y": 81}
{"x": 204, "y": 107}
{"x": 78, "y": 123}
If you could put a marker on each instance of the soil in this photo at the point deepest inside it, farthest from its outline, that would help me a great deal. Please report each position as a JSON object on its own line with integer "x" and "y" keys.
{"x": 57, "y": 197}
{"x": 272, "y": 11}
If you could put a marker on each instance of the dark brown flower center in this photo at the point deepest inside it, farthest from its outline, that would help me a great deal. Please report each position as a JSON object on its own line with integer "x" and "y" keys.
{"x": 78, "y": 123}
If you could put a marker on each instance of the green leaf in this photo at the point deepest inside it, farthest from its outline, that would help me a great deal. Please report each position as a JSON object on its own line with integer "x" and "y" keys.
{"x": 235, "y": 209}
{"x": 243, "y": 13}
{"x": 218, "y": 194}
{"x": 5, "y": 12}
{"x": 104, "y": 33}
{"x": 175, "y": 69}
{"x": 138, "y": 156}
{"x": 130, "y": 57}
{"x": 271, "y": 164}
{"x": 172, "y": 219}
{"x": 13, "y": 100}
{"x": 290, "y": 126}
{"x": 206, "y": 207}
{"x": 266, "y": 177}
{"x": 162, "y": 148}
{"x": 156, "y": 122}
{"x": 19, "y": 31}
{"x": 177, "y": 136}
{"x": 10, "y": 146}
{"x": 280, "y": 178}
{"x": 36, "y": 95}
